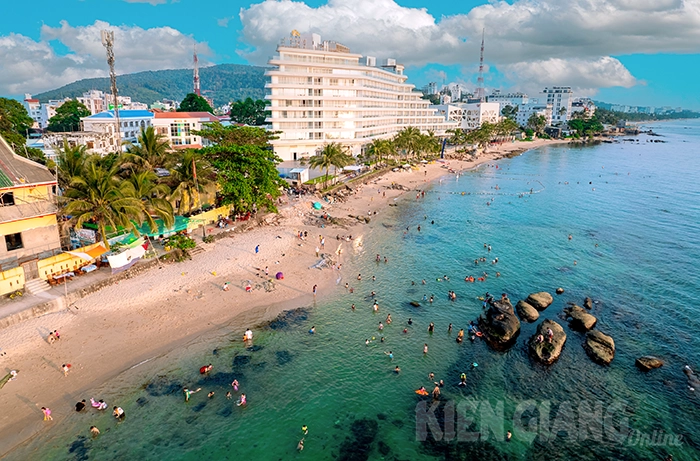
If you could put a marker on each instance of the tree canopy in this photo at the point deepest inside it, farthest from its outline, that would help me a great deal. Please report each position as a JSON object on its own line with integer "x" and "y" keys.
{"x": 68, "y": 116}
{"x": 249, "y": 112}
{"x": 332, "y": 155}
{"x": 246, "y": 167}
{"x": 194, "y": 103}
{"x": 509, "y": 111}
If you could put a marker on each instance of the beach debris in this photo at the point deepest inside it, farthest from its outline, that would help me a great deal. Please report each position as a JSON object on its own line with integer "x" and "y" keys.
{"x": 599, "y": 347}
{"x": 499, "y": 324}
{"x": 526, "y": 312}
{"x": 648, "y": 362}
{"x": 547, "y": 342}
{"x": 540, "y": 300}
{"x": 580, "y": 319}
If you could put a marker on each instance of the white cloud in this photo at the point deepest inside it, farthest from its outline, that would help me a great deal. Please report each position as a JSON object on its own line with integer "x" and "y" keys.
{"x": 31, "y": 66}
{"x": 152, "y": 2}
{"x": 223, "y": 22}
{"x": 538, "y": 41}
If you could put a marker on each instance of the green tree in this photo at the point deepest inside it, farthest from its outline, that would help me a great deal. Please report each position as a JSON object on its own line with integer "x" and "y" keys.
{"x": 381, "y": 149}
{"x": 71, "y": 163}
{"x": 194, "y": 103}
{"x": 188, "y": 178}
{"x": 68, "y": 117}
{"x": 99, "y": 196}
{"x": 510, "y": 112}
{"x": 408, "y": 140}
{"x": 237, "y": 135}
{"x": 145, "y": 187}
{"x": 16, "y": 115}
{"x": 537, "y": 123}
{"x": 332, "y": 155}
{"x": 433, "y": 98}
{"x": 249, "y": 112}
{"x": 151, "y": 151}
{"x": 505, "y": 128}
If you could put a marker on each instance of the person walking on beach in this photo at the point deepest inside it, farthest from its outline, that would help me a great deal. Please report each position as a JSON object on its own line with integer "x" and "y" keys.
{"x": 314, "y": 289}
{"x": 66, "y": 368}
{"x": 47, "y": 414}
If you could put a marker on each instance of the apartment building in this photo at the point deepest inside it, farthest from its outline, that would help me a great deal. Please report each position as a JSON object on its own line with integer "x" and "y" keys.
{"x": 179, "y": 127}
{"x": 561, "y": 98}
{"x": 525, "y": 111}
{"x": 320, "y": 92}
{"x": 508, "y": 99}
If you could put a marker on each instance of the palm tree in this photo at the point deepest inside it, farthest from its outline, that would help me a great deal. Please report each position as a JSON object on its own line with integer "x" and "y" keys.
{"x": 408, "y": 140}
{"x": 332, "y": 155}
{"x": 99, "y": 196}
{"x": 190, "y": 174}
{"x": 150, "y": 152}
{"x": 152, "y": 195}
{"x": 71, "y": 162}
{"x": 381, "y": 149}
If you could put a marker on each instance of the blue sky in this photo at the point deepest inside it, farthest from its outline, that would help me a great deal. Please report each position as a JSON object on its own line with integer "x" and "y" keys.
{"x": 641, "y": 52}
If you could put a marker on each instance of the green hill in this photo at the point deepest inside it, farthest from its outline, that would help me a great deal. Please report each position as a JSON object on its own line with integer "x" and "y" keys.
{"x": 223, "y": 83}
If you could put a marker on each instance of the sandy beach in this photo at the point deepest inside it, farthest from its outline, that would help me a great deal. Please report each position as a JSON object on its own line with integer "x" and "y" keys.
{"x": 124, "y": 324}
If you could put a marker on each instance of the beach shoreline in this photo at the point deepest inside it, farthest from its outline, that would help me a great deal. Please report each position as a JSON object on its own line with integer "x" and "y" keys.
{"x": 111, "y": 333}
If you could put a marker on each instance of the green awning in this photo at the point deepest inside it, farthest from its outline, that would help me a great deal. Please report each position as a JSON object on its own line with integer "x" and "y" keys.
{"x": 180, "y": 224}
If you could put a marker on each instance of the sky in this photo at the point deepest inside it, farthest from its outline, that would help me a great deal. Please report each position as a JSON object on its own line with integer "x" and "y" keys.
{"x": 636, "y": 52}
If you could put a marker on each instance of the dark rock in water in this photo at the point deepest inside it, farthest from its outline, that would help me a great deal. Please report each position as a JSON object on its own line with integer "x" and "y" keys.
{"x": 254, "y": 348}
{"x": 648, "y": 362}
{"x": 199, "y": 407}
{"x": 289, "y": 318}
{"x": 219, "y": 379}
{"x": 588, "y": 303}
{"x": 693, "y": 379}
{"x": 141, "y": 401}
{"x": 526, "y": 311}
{"x": 161, "y": 385}
{"x": 599, "y": 347}
{"x": 499, "y": 324}
{"x": 540, "y": 300}
{"x": 283, "y": 357}
{"x": 580, "y": 319}
{"x": 79, "y": 448}
{"x": 381, "y": 416}
{"x": 241, "y": 361}
{"x": 359, "y": 446}
{"x": 259, "y": 366}
{"x": 560, "y": 290}
{"x": 384, "y": 449}
{"x": 225, "y": 411}
{"x": 398, "y": 423}
{"x": 414, "y": 303}
{"x": 190, "y": 420}
{"x": 545, "y": 351}
{"x": 215, "y": 351}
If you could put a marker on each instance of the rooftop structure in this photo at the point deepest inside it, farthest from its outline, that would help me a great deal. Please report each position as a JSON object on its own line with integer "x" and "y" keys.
{"x": 319, "y": 92}
{"x": 179, "y": 127}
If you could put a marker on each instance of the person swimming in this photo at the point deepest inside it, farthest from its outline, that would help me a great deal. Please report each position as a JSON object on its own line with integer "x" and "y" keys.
{"x": 431, "y": 327}
{"x": 312, "y": 330}
{"x": 390, "y": 354}
{"x": 234, "y": 384}
{"x": 242, "y": 400}
{"x": 410, "y": 321}
{"x": 462, "y": 379}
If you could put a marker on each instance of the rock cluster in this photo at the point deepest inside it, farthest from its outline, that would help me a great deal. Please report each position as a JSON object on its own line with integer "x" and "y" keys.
{"x": 599, "y": 347}
{"x": 540, "y": 301}
{"x": 546, "y": 350}
{"x": 499, "y": 324}
{"x": 580, "y": 320}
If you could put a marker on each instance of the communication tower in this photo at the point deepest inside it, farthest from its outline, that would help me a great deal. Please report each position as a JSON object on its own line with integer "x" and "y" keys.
{"x": 108, "y": 43}
{"x": 480, "y": 92}
{"x": 197, "y": 90}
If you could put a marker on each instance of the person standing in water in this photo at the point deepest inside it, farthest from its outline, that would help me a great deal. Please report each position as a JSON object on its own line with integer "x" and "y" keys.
{"x": 425, "y": 348}
{"x": 431, "y": 327}
{"x": 188, "y": 393}
{"x": 388, "y": 319}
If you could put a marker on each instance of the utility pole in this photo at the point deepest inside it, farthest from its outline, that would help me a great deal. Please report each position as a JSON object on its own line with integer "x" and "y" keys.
{"x": 480, "y": 90}
{"x": 108, "y": 43}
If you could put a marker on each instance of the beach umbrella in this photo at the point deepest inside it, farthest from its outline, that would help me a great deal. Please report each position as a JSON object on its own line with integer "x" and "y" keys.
{"x": 317, "y": 205}
{"x": 279, "y": 276}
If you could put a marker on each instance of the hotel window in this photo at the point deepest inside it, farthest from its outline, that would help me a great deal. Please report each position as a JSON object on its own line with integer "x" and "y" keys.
{"x": 14, "y": 241}
{"x": 8, "y": 199}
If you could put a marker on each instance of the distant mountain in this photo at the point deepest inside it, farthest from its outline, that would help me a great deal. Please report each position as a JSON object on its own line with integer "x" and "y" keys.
{"x": 223, "y": 83}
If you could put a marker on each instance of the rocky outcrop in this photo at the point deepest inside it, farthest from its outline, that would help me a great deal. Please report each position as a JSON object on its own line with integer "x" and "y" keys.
{"x": 693, "y": 379}
{"x": 526, "y": 311}
{"x": 588, "y": 303}
{"x": 499, "y": 324}
{"x": 540, "y": 301}
{"x": 599, "y": 347}
{"x": 546, "y": 350}
{"x": 560, "y": 290}
{"x": 648, "y": 362}
{"x": 580, "y": 320}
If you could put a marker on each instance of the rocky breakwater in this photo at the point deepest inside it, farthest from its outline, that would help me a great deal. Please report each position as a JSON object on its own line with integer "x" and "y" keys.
{"x": 540, "y": 300}
{"x": 599, "y": 347}
{"x": 579, "y": 319}
{"x": 547, "y": 343}
{"x": 499, "y": 324}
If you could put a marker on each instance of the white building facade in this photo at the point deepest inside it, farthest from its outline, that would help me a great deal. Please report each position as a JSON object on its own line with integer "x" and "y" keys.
{"x": 508, "y": 99}
{"x": 320, "y": 92}
{"x": 179, "y": 127}
{"x": 475, "y": 114}
{"x": 561, "y": 98}
{"x": 130, "y": 123}
{"x": 525, "y": 111}
{"x": 33, "y": 108}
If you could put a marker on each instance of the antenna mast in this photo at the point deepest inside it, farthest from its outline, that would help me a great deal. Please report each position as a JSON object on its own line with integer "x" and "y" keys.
{"x": 480, "y": 92}
{"x": 108, "y": 43}
{"x": 197, "y": 90}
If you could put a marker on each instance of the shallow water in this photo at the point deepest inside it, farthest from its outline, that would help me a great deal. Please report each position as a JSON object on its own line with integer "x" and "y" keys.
{"x": 633, "y": 211}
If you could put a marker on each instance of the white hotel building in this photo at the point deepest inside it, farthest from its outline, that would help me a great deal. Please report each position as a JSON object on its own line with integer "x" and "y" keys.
{"x": 320, "y": 92}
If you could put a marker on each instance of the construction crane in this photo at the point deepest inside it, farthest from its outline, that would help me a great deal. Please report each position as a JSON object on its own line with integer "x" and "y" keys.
{"x": 480, "y": 92}
{"x": 108, "y": 43}
{"x": 197, "y": 91}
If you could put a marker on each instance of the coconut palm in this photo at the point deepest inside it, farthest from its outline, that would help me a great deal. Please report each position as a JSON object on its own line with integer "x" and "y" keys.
{"x": 408, "y": 140}
{"x": 98, "y": 195}
{"x": 332, "y": 155}
{"x": 151, "y": 151}
{"x": 191, "y": 173}
{"x": 381, "y": 149}
{"x": 71, "y": 162}
{"x": 145, "y": 186}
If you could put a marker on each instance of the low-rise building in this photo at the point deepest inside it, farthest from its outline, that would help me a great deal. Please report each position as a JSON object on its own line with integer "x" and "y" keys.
{"x": 33, "y": 107}
{"x": 179, "y": 127}
{"x": 508, "y": 99}
{"x": 475, "y": 114}
{"x": 96, "y": 142}
{"x": 28, "y": 226}
{"x": 130, "y": 122}
{"x": 525, "y": 111}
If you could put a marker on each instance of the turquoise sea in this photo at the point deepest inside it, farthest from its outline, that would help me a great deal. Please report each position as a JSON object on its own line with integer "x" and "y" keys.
{"x": 633, "y": 211}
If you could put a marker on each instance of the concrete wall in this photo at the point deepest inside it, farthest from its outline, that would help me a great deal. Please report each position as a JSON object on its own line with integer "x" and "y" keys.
{"x": 11, "y": 280}
{"x": 39, "y": 235}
